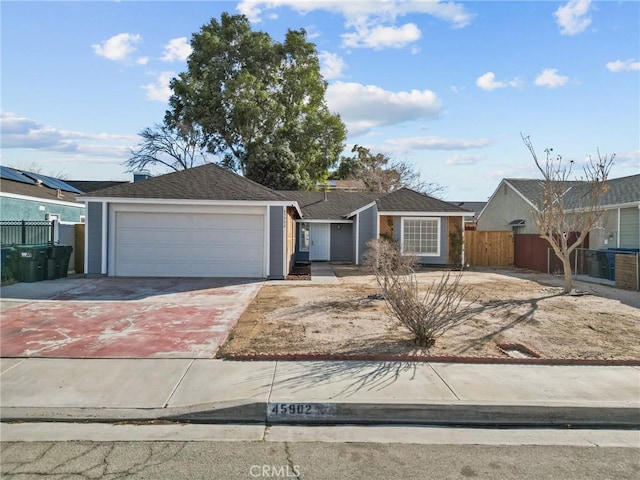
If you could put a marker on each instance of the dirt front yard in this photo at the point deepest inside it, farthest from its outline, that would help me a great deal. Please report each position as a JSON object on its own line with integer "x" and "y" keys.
{"x": 511, "y": 308}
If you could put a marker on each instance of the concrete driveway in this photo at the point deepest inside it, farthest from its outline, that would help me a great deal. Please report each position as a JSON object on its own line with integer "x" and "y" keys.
{"x": 80, "y": 317}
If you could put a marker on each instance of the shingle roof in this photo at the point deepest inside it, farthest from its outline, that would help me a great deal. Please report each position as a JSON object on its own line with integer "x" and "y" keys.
{"x": 336, "y": 207}
{"x": 93, "y": 185}
{"x": 406, "y": 200}
{"x": 206, "y": 182}
{"x": 475, "y": 207}
{"x": 37, "y": 191}
{"x": 620, "y": 190}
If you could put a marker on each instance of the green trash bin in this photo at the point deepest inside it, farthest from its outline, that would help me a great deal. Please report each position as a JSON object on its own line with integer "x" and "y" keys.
{"x": 32, "y": 262}
{"x": 9, "y": 262}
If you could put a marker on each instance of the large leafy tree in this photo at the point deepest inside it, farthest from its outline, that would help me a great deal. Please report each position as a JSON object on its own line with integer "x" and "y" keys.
{"x": 259, "y": 104}
{"x": 379, "y": 173}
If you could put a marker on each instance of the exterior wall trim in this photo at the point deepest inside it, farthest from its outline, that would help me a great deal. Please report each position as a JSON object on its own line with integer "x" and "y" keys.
{"x": 439, "y": 251}
{"x": 105, "y": 231}
{"x": 423, "y": 214}
{"x": 361, "y": 209}
{"x": 41, "y": 200}
{"x": 302, "y": 220}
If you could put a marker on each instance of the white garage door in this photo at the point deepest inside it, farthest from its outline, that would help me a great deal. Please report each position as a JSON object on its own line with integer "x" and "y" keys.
{"x": 189, "y": 245}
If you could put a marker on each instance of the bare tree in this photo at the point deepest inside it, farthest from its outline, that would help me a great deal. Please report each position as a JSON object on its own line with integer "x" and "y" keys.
{"x": 381, "y": 174}
{"x": 427, "y": 314}
{"x": 176, "y": 148}
{"x": 567, "y": 209}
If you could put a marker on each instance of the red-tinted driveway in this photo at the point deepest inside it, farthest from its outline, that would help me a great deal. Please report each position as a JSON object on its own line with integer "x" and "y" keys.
{"x": 122, "y": 317}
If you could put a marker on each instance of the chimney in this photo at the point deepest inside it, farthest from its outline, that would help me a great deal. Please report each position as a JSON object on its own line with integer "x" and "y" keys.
{"x": 141, "y": 175}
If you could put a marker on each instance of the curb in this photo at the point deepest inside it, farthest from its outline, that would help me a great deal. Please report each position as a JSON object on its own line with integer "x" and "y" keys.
{"x": 314, "y": 413}
{"x": 298, "y": 357}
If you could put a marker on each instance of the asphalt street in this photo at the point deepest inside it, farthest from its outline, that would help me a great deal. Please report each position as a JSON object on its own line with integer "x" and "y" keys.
{"x": 319, "y": 461}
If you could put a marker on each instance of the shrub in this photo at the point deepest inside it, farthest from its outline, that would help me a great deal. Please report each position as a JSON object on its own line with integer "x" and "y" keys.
{"x": 426, "y": 314}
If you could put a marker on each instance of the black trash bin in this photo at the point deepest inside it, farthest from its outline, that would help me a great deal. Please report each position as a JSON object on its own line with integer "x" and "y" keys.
{"x": 65, "y": 257}
{"x": 32, "y": 262}
{"x": 593, "y": 264}
{"x": 58, "y": 257}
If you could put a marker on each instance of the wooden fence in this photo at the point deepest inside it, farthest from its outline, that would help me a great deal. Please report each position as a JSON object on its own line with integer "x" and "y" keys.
{"x": 488, "y": 249}
{"x": 78, "y": 248}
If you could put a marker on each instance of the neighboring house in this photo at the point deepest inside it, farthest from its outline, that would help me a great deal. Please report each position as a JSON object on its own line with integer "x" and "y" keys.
{"x": 512, "y": 207}
{"x": 86, "y": 186}
{"x": 474, "y": 207}
{"x": 31, "y": 196}
{"x": 208, "y": 221}
{"x": 201, "y": 222}
{"x": 346, "y": 185}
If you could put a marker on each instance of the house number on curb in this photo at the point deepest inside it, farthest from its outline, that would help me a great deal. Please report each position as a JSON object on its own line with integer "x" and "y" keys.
{"x": 299, "y": 411}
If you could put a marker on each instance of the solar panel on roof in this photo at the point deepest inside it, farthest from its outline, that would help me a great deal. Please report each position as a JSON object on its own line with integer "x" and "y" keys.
{"x": 7, "y": 173}
{"x": 53, "y": 182}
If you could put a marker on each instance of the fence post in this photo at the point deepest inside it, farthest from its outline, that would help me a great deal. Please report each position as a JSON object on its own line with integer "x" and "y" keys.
{"x": 24, "y": 232}
{"x": 53, "y": 232}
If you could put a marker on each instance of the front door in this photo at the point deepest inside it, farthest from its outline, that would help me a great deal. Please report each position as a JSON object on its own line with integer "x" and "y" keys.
{"x": 319, "y": 248}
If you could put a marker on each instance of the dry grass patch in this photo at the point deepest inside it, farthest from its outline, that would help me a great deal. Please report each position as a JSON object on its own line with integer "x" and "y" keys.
{"x": 342, "y": 319}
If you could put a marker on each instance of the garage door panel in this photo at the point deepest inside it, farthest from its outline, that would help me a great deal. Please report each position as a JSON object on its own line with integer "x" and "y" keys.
{"x": 198, "y": 245}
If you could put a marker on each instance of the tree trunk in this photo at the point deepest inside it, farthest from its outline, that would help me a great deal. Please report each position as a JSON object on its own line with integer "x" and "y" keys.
{"x": 568, "y": 275}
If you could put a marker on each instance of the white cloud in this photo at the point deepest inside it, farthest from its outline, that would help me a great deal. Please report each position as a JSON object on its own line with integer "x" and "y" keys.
{"x": 119, "y": 47}
{"x": 159, "y": 91}
{"x": 464, "y": 159}
{"x": 549, "y": 78}
{"x": 435, "y": 143}
{"x": 380, "y": 36}
{"x": 178, "y": 49}
{"x": 142, "y": 60}
{"x": 573, "y": 17}
{"x": 373, "y": 22}
{"x": 623, "y": 66}
{"x": 451, "y": 12}
{"x": 629, "y": 159}
{"x": 26, "y": 133}
{"x": 331, "y": 65}
{"x": 363, "y": 107}
{"x": 488, "y": 82}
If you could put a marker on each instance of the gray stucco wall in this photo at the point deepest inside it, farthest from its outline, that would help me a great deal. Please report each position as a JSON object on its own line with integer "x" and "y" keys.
{"x": 505, "y": 206}
{"x": 366, "y": 229}
{"x": 93, "y": 231}
{"x": 276, "y": 239}
{"x": 341, "y": 242}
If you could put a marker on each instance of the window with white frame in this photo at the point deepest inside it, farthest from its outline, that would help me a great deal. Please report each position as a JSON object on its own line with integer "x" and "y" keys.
{"x": 305, "y": 237}
{"x": 421, "y": 236}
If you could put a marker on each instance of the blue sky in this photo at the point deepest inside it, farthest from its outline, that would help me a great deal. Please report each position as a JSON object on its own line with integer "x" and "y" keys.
{"x": 446, "y": 86}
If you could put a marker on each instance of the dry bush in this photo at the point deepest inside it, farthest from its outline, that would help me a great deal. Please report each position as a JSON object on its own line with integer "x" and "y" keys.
{"x": 427, "y": 314}
{"x": 388, "y": 264}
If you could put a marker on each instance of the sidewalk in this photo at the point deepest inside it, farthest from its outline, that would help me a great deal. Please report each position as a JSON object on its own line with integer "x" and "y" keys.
{"x": 209, "y": 391}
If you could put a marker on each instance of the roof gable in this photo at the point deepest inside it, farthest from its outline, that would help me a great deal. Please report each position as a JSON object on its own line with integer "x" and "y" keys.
{"x": 619, "y": 191}
{"x": 205, "y": 182}
{"x": 334, "y": 205}
{"x": 37, "y": 191}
